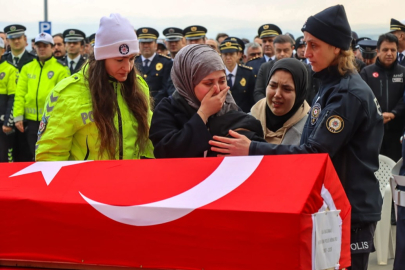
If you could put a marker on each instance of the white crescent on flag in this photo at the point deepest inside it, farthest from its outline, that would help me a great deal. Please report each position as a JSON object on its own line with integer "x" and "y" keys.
{"x": 230, "y": 174}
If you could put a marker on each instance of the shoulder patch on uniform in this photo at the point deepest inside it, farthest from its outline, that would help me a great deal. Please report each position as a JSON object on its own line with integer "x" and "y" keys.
{"x": 254, "y": 58}
{"x": 61, "y": 62}
{"x": 165, "y": 56}
{"x": 247, "y": 67}
{"x": 335, "y": 124}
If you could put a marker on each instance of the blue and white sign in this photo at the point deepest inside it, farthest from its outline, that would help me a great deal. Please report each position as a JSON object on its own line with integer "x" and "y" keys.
{"x": 45, "y": 27}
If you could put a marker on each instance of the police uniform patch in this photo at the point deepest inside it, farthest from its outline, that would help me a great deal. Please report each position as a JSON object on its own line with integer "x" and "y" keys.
{"x": 375, "y": 74}
{"x": 13, "y": 28}
{"x": 315, "y": 112}
{"x": 72, "y": 32}
{"x": 243, "y": 82}
{"x": 171, "y": 30}
{"x": 228, "y": 44}
{"x": 335, "y": 124}
{"x": 266, "y": 27}
{"x": 50, "y": 74}
{"x": 193, "y": 28}
{"x": 124, "y": 49}
{"x": 2, "y": 75}
{"x": 144, "y": 30}
{"x": 159, "y": 66}
{"x": 42, "y": 125}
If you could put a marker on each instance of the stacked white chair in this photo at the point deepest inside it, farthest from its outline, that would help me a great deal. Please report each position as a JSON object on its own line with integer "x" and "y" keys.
{"x": 383, "y": 239}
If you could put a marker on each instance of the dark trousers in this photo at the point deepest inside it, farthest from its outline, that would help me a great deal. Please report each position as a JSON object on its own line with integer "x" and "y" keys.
{"x": 6, "y": 146}
{"x": 21, "y": 151}
{"x": 361, "y": 244}
{"x": 391, "y": 145}
{"x": 31, "y": 133}
{"x": 399, "y": 262}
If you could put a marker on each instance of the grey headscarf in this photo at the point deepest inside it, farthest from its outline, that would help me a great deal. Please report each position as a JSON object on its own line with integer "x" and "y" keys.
{"x": 192, "y": 64}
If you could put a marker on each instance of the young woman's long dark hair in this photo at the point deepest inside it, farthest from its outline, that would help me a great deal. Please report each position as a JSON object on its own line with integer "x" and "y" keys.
{"x": 105, "y": 106}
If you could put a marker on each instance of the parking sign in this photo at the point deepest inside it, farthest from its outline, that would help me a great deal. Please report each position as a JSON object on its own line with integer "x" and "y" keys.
{"x": 45, "y": 27}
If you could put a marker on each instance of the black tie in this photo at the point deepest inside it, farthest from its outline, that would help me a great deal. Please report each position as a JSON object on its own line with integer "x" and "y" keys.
{"x": 71, "y": 67}
{"x": 401, "y": 57}
{"x": 229, "y": 81}
{"x": 16, "y": 59}
{"x": 145, "y": 62}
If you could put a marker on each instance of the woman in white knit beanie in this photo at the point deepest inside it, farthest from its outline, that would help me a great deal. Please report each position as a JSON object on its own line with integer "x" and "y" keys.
{"x": 103, "y": 111}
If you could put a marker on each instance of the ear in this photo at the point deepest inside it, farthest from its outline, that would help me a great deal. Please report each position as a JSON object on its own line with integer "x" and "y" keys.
{"x": 336, "y": 51}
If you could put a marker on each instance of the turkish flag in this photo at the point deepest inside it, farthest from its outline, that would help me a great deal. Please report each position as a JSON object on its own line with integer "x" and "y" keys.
{"x": 212, "y": 213}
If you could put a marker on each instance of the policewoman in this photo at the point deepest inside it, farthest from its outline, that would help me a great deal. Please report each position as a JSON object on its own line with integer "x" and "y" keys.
{"x": 345, "y": 121}
{"x": 8, "y": 82}
{"x": 35, "y": 82}
{"x": 103, "y": 111}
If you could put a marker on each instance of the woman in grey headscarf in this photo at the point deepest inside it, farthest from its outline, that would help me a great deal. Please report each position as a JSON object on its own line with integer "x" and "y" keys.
{"x": 183, "y": 124}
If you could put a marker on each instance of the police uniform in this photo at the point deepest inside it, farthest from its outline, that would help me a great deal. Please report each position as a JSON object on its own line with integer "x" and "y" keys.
{"x": 266, "y": 30}
{"x": 35, "y": 81}
{"x": 15, "y": 31}
{"x": 173, "y": 34}
{"x": 298, "y": 43}
{"x": 156, "y": 73}
{"x": 243, "y": 85}
{"x": 74, "y": 35}
{"x": 368, "y": 48}
{"x": 194, "y": 32}
{"x": 388, "y": 87}
{"x": 396, "y": 25}
{"x": 8, "y": 82}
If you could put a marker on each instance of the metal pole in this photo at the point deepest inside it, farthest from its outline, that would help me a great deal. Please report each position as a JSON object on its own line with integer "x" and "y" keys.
{"x": 46, "y": 10}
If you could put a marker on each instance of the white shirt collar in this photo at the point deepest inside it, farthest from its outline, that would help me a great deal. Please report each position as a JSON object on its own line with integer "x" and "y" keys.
{"x": 19, "y": 56}
{"x": 403, "y": 52}
{"x": 233, "y": 72}
{"x": 76, "y": 60}
{"x": 150, "y": 58}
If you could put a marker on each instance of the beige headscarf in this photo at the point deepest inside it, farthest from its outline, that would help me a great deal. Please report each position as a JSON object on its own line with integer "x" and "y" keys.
{"x": 192, "y": 64}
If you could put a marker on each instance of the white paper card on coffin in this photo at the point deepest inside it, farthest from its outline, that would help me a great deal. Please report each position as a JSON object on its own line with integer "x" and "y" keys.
{"x": 328, "y": 239}
{"x": 229, "y": 175}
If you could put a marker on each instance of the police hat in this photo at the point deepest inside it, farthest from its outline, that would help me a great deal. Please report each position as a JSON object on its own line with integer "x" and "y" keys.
{"x": 269, "y": 30}
{"x": 173, "y": 34}
{"x": 73, "y": 35}
{"x": 229, "y": 46}
{"x": 147, "y": 34}
{"x": 239, "y": 41}
{"x": 14, "y": 30}
{"x": 194, "y": 32}
{"x": 396, "y": 25}
{"x": 160, "y": 42}
{"x": 92, "y": 39}
{"x": 300, "y": 41}
{"x": 368, "y": 48}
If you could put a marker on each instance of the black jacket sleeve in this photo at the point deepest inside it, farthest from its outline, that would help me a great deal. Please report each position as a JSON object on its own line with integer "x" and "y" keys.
{"x": 260, "y": 87}
{"x": 8, "y": 117}
{"x": 175, "y": 136}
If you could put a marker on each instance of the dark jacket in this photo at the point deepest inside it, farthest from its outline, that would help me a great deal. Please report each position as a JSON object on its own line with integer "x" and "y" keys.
{"x": 388, "y": 87}
{"x": 263, "y": 75}
{"x": 177, "y": 131}
{"x": 156, "y": 75}
{"x": 345, "y": 121}
{"x": 256, "y": 63}
{"x": 78, "y": 66}
{"x": 242, "y": 89}
{"x": 25, "y": 58}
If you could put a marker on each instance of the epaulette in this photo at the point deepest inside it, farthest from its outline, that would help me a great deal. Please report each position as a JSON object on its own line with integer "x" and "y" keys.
{"x": 247, "y": 67}
{"x": 254, "y": 58}
{"x": 63, "y": 63}
{"x": 165, "y": 56}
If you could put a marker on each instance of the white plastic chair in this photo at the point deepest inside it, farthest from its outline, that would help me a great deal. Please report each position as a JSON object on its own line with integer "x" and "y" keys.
{"x": 383, "y": 239}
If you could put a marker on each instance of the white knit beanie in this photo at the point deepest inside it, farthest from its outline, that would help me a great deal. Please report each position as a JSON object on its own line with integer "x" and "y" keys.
{"x": 115, "y": 38}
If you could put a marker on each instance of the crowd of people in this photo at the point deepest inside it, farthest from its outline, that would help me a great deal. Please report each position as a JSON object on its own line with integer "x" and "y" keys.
{"x": 122, "y": 93}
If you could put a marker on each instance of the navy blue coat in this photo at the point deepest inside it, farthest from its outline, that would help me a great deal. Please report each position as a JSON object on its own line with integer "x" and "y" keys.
{"x": 242, "y": 89}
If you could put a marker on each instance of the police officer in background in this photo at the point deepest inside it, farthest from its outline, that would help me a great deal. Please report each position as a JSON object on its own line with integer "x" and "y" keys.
{"x": 35, "y": 81}
{"x": 74, "y": 40}
{"x": 92, "y": 40}
{"x": 368, "y": 49}
{"x": 398, "y": 29}
{"x": 240, "y": 78}
{"x": 18, "y": 55}
{"x": 8, "y": 82}
{"x": 60, "y": 47}
{"x": 300, "y": 49}
{"x": 252, "y": 50}
{"x": 195, "y": 34}
{"x": 241, "y": 47}
{"x": 175, "y": 40}
{"x": 386, "y": 79}
{"x": 155, "y": 68}
{"x": 267, "y": 33}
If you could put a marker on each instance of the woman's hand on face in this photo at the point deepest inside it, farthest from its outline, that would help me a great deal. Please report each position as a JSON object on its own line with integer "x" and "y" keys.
{"x": 212, "y": 102}
{"x": 236, "y": 146}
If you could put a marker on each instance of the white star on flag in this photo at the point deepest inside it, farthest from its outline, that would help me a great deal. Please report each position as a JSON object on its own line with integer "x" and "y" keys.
{"x": 49, "y": 169}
